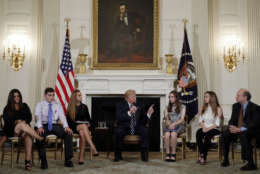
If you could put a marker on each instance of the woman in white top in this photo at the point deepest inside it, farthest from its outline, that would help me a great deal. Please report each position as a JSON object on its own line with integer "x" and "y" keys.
{"x": 209, "y": 119}
{"x": 174, "y": 115}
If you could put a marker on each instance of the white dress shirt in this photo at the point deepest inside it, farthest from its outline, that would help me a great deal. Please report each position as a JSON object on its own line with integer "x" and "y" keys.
{"x": 209, "y": 119}
{"x": 126, "y": 20}
{"x": 41, "y": 114}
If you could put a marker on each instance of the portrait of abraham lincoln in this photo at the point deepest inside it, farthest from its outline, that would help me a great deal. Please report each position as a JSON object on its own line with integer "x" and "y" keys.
{"x": 125, "y": 35}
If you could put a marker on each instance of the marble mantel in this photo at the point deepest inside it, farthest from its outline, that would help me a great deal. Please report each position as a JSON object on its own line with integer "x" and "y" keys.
{"x": 93, "y": 85}
{"x": 106, "y": 84}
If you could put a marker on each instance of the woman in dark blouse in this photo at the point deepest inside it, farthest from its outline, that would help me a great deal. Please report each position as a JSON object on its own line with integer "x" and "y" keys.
{"x": 79, "y": 121}
{"x": 17, "y": 117}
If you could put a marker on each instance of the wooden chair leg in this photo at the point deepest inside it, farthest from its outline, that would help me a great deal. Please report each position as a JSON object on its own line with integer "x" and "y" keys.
{"x": 233, "y": 153}
{"x": 197, "y": 150}
{"x": 18, "y": 153}
{"x": 3, "y": 155}
{"x": 183, "y": 148}
{"x": 56, "y": 148}
{"x": 162, "y": 148}
{"x": 91, "y": 155}
{"x": 255, "y": 153}
{"x": 33, "y": 156}
{"x": 62, "y": 149}
{"x": 219, "y": 150}
{"x": 12, "y": 154}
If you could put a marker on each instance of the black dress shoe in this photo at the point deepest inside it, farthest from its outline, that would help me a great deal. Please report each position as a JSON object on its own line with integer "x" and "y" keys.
{"x": 80, "y": 162}
{"x": 248, "y": 167}
{"x": 144, "y": 156}
{"x": 68, "y": 163}
{"x": 116, "y": 159}
{"x": 118, "y": 156}
{"x": 225, "y": 164}
{"x": 44, "y": 164}
{"x": 96, "y": 154}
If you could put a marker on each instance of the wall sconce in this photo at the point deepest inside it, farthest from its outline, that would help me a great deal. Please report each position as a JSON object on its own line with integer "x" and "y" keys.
{"x": 14, "y": 50}
{"x": 233, "y": 53}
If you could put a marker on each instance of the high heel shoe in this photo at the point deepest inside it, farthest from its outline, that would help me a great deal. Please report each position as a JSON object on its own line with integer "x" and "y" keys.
{"x": 80, "y": 162}
{"x": 28, "y": 165}
{"x": 96, "y": 154}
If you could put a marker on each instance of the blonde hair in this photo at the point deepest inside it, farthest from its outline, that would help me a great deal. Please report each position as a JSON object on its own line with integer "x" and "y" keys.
{"x": 71, "y": 109}
{"x": 213, "y": 102}
{"x": 129, "y": 92}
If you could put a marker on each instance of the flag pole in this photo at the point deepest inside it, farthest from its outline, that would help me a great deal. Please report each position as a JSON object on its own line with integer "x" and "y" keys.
{"x": 67, "y": 21}
{"x": 185, "y": 21}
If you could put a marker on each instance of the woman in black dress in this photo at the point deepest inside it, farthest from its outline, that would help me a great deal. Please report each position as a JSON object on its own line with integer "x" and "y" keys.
{"x": 17, "y": 117}
{"x": 79, "y": 121}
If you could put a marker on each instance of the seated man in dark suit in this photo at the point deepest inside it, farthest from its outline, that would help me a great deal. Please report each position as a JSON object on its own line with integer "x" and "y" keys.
{"x": 244, "y": 120}
{"x": 132, "y": 120}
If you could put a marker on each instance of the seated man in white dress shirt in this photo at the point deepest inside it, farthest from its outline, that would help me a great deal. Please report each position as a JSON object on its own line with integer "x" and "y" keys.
{"x": 47, "y": 114}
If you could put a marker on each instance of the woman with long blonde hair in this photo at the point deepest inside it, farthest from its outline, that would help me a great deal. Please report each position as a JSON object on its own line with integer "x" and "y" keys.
{"x": 79, "y": 121}
{"x": 210, "y": 117}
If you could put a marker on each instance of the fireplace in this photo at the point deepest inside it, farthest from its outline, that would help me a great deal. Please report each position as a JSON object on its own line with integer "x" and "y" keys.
{"x": 112, "y": 85}
{"x": 104, "y": 110}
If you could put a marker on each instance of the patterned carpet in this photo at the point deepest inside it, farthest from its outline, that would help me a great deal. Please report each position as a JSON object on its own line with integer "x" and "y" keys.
{"x": 131, "y": 165}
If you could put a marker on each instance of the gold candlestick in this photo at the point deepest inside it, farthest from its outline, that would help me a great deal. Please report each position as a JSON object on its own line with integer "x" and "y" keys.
{"x": 169, "y": 60}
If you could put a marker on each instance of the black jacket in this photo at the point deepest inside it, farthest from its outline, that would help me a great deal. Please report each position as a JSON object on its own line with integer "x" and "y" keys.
{"x": 24, "y": 113}
{"x": 123, "y": 119}
{"x": 251, "y": 119}
{"x": 82, "y": 114}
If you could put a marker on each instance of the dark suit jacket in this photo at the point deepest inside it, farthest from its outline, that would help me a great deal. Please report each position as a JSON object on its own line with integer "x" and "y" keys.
{"x": 251, "y": 119}
{"x": 123, "y": 119}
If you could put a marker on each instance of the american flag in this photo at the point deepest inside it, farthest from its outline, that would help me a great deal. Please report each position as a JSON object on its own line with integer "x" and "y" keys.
{"x": 65, "y": 79}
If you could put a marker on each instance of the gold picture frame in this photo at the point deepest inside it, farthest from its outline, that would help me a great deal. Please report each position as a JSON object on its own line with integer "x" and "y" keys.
{"x": 153, "y": 58}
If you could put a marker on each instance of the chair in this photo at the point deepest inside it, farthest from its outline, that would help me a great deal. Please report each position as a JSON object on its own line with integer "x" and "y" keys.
{"x": 52, "y": 139}
{"x": 219, "y": 149}
{"x": 20, "y": 148}
{"x": 255, "y": 147}
{"x": 76, "y": 138}
{"x": 181, "y": 138}
{"x": 11, "y": 141}
{"x": 217, "y": 139}
{"x": 131, "y": 139}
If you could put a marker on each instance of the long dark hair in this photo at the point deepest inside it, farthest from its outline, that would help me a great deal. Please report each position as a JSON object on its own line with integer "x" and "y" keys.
{"x": 213, "y": 102}
{"x": 10, "y": 101}
{"x": 177, "y": 102}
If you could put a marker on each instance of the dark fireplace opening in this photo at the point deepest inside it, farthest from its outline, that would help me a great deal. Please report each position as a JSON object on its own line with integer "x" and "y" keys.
{"x": 104, "y": 110}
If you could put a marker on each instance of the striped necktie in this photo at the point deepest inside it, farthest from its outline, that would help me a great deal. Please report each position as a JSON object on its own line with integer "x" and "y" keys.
{"x": 132, "y": 122}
